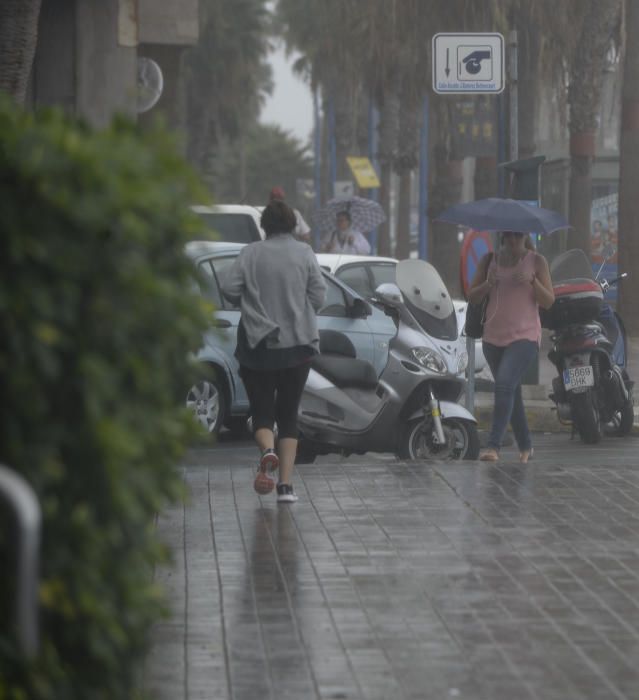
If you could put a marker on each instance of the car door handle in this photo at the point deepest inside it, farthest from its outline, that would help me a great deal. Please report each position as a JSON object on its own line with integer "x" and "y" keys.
{"x": 222, "y": 323}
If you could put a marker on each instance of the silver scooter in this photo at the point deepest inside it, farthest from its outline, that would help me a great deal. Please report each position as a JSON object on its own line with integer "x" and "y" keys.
{"x": 412, "y": 409}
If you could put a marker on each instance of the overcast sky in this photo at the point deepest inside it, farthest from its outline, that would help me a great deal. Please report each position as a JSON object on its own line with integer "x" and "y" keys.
{"x": 291, "y": 105}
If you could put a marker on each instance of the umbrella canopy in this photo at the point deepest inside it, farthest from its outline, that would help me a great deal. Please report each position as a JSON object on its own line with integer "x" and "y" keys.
{"x": 366, "y": 214}
{"x": 494, "y": 214}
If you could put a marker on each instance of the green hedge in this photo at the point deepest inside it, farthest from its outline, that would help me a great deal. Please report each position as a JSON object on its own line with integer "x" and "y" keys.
{"x": 98, "y": 317}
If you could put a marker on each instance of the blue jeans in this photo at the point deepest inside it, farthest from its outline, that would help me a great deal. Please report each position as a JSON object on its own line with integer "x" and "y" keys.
{"x": 508, "y": 365}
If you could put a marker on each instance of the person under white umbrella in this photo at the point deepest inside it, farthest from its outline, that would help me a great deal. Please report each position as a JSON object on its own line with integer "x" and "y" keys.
{"x": 346, "y": 239}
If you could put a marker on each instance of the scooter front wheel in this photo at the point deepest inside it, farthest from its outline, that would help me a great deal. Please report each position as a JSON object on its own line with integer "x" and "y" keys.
{"x": 418, "y": 440}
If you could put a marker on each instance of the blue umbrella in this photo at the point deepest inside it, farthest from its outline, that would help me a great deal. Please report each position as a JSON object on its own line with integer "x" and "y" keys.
{"x": 494, "y": 214}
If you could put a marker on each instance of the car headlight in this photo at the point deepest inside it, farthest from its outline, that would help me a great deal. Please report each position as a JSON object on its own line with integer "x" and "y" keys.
{"x": 430, "y": 360}
{"x": 462, "y": 363}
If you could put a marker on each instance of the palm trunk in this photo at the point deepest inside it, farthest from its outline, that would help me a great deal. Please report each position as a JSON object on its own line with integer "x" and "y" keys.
{"x": 402, "y": 243}
{"x": 387, "y": 151}
{"x": 582, "y": 152}
{"x": 629, "y": 175}
{"x": 445, "y": 248}
{"x": 406, "y": 162}
{"x": 584, "y": 96}
{"x": 485, "y": 177}
{"x": 18, "y": 39}
{"x": 529, "y": 69}
{"x": 446, "y": 189}
{"x": 383, "y": 232}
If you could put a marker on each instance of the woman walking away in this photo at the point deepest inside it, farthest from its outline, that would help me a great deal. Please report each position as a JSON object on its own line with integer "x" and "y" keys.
{"x": 279, "y": 286}
{"x": 517, "y": 282}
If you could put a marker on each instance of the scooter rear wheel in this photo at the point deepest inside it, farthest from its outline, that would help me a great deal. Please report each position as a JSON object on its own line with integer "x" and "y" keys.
{"x": 585, "y": 416}
{"x": 417, "y": 440}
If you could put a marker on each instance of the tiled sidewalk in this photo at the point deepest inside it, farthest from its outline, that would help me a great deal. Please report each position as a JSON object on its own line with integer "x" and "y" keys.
{"x": 394, "y": 580}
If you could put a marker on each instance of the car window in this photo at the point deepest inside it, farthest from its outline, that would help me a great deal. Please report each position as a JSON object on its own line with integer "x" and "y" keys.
{"x": 235, "y": 228}
{"x": 382, "y": 273}
{"x": 208, "y": 284}
{"x": 221, "y": 266}
{"x": 356, "y": 277}
{"x": 335, "y": 300}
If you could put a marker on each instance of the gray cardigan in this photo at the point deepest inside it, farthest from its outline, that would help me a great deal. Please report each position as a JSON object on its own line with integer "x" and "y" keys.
{"x": 279, "y": 286}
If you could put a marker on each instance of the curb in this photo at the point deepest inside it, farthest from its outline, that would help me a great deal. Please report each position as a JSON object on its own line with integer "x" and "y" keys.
{"x": 541, "y": 414}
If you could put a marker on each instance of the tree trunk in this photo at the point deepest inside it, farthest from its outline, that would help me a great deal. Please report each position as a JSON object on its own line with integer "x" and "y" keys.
{"x": 18, "y": 39}
{"x": 445, "y": 190}
{"x": 582, "y": 150}
{"x": 584, "y": 97}
{"x": 629, "y": 175}
{"x": 406, "y": 161}
{"x": 387, "y": 151}
{"x": 445, "y": 246}
{"x": 402, "y": 242}
{"x": 383, "y": 231}
{"x": 485, "y": 177}
{"x": 529, "y": 69}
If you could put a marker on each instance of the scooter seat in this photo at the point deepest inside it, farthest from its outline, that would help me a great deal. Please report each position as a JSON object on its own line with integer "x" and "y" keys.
{"x": 345, "y": 371}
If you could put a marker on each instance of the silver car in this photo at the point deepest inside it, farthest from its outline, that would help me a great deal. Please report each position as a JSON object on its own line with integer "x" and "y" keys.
{"x": 219, "y": 397}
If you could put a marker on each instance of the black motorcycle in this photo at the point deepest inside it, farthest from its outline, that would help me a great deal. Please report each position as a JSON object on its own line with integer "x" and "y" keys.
{"x": 592, "y": 391}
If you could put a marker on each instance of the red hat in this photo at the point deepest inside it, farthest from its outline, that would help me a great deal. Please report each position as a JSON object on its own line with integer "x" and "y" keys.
{"x": 277, "y": 193}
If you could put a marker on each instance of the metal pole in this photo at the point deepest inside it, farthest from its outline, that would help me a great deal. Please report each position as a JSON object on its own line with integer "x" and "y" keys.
{"x": 501, "y": 144}
{"x": 513, "y": 95}
{"x": 332, "y": 151}
{"x": 423, "y": 182}
{"x": 317, "y": 140}
{"x": 470, "y": 375}
{"x": 373, "y": 192}
{"x": 21, "y": 499}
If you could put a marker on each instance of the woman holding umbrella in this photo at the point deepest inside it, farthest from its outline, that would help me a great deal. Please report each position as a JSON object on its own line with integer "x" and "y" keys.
{"x": 346, "y": 239}
{"x": 517, "y": 282}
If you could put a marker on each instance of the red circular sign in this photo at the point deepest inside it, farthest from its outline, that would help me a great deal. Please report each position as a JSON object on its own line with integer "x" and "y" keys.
{"x": 475, "y": 246}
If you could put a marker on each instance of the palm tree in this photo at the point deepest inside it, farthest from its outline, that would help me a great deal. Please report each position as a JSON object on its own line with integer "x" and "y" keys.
{"x": 226, "y": 74}
{"x": 18, "y": 39}
{"x": 629, "y": 173}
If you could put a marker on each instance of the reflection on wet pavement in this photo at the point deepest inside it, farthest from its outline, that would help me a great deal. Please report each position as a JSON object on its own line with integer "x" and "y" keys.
{"x": 394, "y": 580}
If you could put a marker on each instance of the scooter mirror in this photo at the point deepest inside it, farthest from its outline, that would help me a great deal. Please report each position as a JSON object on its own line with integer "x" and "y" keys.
{"x": 608, "y": 251}
{"x": 389, "y": 293}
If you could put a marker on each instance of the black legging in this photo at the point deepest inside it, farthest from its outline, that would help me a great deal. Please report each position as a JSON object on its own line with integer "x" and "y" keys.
{"x": 275, "y": 395}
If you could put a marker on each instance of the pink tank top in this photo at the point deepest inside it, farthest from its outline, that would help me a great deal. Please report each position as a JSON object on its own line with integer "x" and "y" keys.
{"x": 512, "y": 312}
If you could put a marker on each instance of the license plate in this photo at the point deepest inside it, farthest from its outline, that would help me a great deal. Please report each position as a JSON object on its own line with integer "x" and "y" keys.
{"x": 578, "y": 377}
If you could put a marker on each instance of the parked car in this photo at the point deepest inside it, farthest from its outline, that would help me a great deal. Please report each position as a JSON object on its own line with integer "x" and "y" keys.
{"x": 233, "y": 223}
{"x": 364, "y": 273}
{"x": 221, "y": 399}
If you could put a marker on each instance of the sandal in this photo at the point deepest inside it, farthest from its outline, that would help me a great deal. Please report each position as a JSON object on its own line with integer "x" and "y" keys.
{"x": 489, "y": 455}
{"x": 526, "y": 455}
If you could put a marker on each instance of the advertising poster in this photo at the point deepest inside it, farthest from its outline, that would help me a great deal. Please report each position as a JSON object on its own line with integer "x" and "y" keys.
{"x": 603, "y": 236}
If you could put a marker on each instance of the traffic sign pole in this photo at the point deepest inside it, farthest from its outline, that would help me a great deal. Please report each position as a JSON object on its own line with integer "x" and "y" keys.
{"x": 423, "y": 183}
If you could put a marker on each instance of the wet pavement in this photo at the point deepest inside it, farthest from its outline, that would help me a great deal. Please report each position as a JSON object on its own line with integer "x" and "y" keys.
{"x": 406, "y": 580}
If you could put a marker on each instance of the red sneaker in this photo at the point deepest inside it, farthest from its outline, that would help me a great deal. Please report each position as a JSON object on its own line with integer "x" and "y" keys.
{"x": 270, "y": 461}
{"x": 263, "y": 483}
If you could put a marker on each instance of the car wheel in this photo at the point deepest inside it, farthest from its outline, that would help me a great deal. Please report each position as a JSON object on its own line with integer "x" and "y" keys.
{"x": 207, "y": 401}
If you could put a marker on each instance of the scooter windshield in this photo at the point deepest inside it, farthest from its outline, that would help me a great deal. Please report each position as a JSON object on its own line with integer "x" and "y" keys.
{"x": 571, "y": 265}
{"x": 427, "y": 298}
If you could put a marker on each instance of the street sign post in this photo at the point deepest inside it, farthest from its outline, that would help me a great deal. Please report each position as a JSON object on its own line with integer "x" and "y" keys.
{"x": 468, "y": 63}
